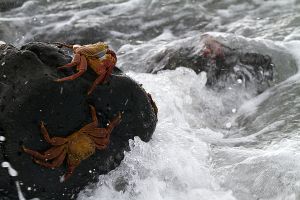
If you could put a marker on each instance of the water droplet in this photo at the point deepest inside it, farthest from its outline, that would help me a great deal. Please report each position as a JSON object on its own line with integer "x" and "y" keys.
{"x": 20, "y": 194}
{"x": 228, "y": 125}
{"x": 233, "y": 110}
{"x": 29, "y": 188}
{"x": 62, "y": 179}
{"x": 11, "y": 171}
{"x": 2, "y": 138}
{"x": 4, "y": 76}
{"x": 2, "y": 64}
{"x": 239, "y": 81}
{"x": 126, "y": 102}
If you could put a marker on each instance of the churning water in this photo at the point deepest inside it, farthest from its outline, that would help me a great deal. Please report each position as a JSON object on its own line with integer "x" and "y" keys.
{"x": 227, "y": 144}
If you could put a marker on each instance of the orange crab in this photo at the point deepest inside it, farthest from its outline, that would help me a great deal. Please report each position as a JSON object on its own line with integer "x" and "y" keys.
{"x": 77, "y": 147}
{"x": 89, "y": 55}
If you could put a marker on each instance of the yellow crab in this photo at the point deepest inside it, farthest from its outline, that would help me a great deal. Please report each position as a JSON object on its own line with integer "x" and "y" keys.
{"x": 77, "y": 147}
{"x": 89, "y": 55}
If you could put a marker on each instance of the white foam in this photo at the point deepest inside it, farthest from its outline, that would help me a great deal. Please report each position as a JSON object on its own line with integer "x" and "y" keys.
{"x": 174, "y": 164}
{"x": 20, "y": 194}
{"x": 61, "y": 179}
{"x": 2, "y": 138}
{"x": 11, "y": 171}
{"x": 228, "y": 125}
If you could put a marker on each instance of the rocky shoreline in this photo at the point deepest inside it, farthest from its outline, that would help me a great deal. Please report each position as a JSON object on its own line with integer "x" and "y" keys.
{"x": 28, "y": 95}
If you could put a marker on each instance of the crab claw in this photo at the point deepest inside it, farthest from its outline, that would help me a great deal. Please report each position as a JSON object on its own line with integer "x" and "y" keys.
{"x": 117, "y": 119}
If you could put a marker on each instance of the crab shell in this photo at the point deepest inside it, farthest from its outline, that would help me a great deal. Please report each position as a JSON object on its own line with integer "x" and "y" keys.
{"x": 90, "y": 50}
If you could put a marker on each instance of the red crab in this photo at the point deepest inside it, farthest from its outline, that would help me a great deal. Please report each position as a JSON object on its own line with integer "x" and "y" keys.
{"x": 212, "y": 48}
{"x": 77, "y": 146}
{"x": 88, "y": 55}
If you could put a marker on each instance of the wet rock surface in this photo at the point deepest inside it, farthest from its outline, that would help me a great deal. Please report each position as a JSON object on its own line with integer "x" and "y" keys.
{"x": 225, "y": 65}
{"x": 6, "y": 5}
{"x": 229, "y": 61}
{"x": 28, "y": 95}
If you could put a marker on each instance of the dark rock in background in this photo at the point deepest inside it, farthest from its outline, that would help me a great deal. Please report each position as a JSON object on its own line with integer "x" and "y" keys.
{"x": 9, "y": 4}
{"x": 258, "y": 64}
{"x": 224, "y": 65}
{"x": 28, "y": 95}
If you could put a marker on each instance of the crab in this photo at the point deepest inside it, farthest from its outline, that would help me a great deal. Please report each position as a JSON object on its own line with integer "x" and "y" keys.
{"x": 89, "y": 55}
{"x": 76, "y": 147}
{"x": 212, "y": 48}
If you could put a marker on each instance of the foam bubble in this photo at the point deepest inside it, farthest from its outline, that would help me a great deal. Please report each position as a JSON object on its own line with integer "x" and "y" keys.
{"x": 2, "y": 138}
{"x": 11, "y": 171}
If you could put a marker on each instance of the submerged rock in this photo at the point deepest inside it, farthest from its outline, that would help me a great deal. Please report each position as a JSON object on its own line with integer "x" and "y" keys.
{"x": 225, "y": 64}
{"x": 231, "y": 60}
{"x": 28, "y": 95}
{"x": 227, "y": 59}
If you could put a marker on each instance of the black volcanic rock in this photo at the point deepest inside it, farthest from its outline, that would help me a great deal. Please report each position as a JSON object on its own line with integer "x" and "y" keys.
{"x": 6, "y": 5}
{"x": 28, "y": 95}
{"x": 225, "y": 59}
{"x": 225, "y": 65}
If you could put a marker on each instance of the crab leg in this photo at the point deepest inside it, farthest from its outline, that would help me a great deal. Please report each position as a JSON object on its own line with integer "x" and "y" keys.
{"x": 101, "y": 136}
{"x": 114, "y": 122}
{"x": 101, "y": 143}
{"x": 104, "y": 132}
{"x": 105, "y": 69}
{"x": 74, "y": 62}
{"x": 70, "y": 170}
{"x": 94, "y": 115}
{"x": 100, "y": 147}
{"x": 98, "y": 133}
{"x": 55, "y": 163}
{"x": 81, "y": 69}
{"x": 48, "y": 155}
{"x": 91, "y": 126}
{"x": 55, "y": 140}
{"x": 99, "y": 80}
